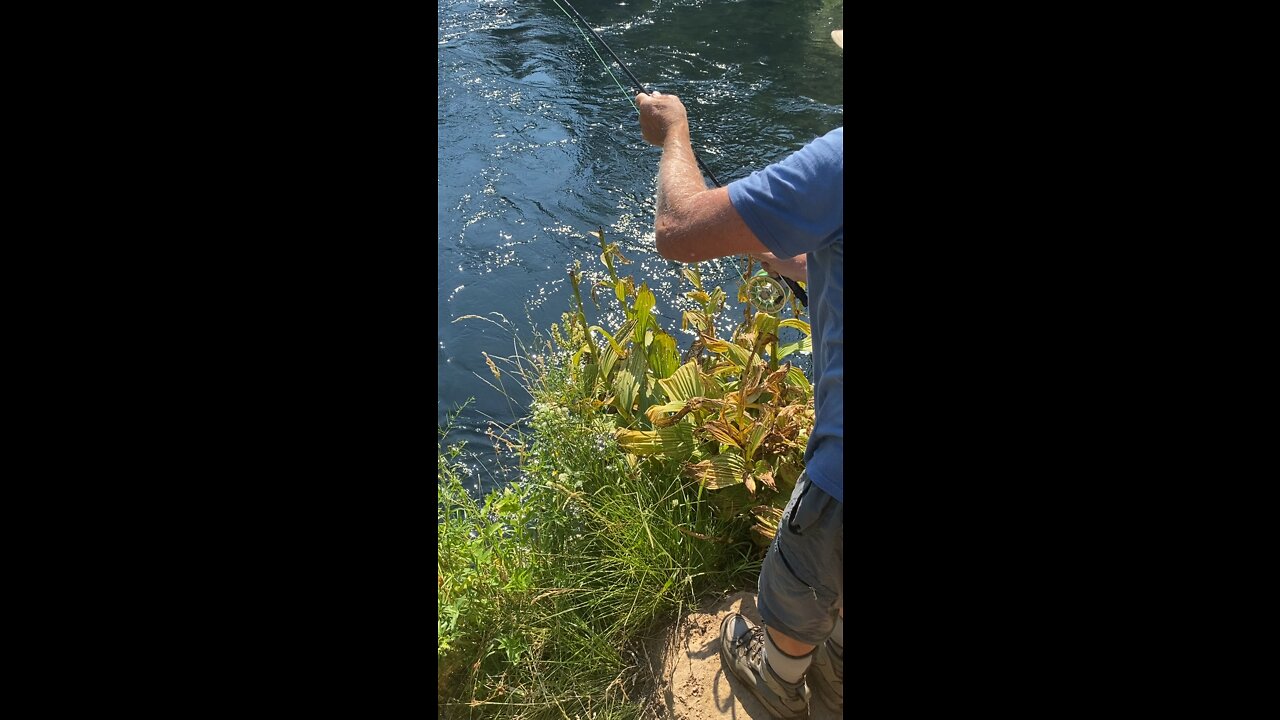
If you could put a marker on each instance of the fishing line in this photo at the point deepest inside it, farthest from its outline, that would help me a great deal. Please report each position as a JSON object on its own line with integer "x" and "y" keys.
{"x": 799, "y": 293}
{"x": 602, "y": 62}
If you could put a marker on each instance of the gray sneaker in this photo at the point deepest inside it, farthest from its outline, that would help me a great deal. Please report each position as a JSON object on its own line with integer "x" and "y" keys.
{"x": 742, "y": 652}
{"x": 826, "y": 678}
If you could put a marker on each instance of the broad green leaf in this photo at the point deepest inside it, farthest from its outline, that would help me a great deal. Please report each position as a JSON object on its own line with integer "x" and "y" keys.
{"x": 608, "y": 337}
{"x": 625, "y": 387}
{"x": 620, "y": 292}
{"x": 717, "y": 299}
{"x": 740, "y": 355}
{"x": 677, "y": 441}
{"x": 645, "y": 303}
{"x": 608, "y": 357}
{"x": 610, "y": 353}
{"x": 638, "y": 366}
{"x": 758, "y": 431}
{"x": 765, "y": 324}
{"x": 787, "y": 475}
{"x": 701, "y": 321}
{"x": 804, "y": 344}
{"x": 795, "y": 376}
{"x": 663, "y": 356}
{"x": 712, "y": 387}
{"x": 573, "y": 361}
{"x": 766, "y": 519}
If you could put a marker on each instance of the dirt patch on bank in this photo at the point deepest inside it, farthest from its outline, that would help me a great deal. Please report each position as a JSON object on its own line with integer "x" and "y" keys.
{"x": 690, "y": 682}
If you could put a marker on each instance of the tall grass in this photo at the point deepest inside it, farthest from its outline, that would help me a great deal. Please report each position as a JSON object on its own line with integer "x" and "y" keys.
{"x": 548, "y": 586}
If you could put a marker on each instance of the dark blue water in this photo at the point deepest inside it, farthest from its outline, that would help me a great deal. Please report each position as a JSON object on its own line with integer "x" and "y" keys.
{"x": 538, "y": 146}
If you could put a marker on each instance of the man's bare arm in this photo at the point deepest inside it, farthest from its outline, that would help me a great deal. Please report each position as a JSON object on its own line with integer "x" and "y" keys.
{"x": 693, "y": 223}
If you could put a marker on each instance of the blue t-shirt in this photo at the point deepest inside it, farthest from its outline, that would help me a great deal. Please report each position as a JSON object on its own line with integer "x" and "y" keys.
{"x": 797, "y": 206}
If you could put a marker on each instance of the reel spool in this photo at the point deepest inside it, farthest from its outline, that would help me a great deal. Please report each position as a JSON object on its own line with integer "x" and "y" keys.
{"x": 766, "y": 293}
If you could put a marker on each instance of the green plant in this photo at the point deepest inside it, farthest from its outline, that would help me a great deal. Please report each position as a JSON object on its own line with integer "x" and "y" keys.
{"x": 644, "y": 478}
{"x": 735, "y": 419}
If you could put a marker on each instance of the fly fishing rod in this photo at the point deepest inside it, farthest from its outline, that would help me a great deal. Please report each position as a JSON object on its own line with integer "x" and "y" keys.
{"x": 796, "y": 290}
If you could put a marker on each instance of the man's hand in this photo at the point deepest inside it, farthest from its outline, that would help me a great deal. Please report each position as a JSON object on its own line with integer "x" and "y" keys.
{"x": 794, "y": 268}
{"x": 659, "y": 115}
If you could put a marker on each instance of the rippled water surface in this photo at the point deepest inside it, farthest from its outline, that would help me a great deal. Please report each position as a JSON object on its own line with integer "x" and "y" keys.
{"x": 538, "y": 146}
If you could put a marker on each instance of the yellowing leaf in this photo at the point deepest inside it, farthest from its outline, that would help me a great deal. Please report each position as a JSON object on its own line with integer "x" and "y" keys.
{"x": 722, "y": 432}
{"x": 800, "y": 325}
{"x": 698, "y": 319}
{"x": 639, "y": 442}
{"x": 684, "y": 384}
{"x": 715, "y": 345}
{"x": 691, "y": 274}
{"x": 657, "y": 414}
{"x": 720, "y": 471}
{"x": 767, "y": 517}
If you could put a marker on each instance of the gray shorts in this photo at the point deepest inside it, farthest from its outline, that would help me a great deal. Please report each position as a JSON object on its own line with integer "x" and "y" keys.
{"x": 802, "y": 580}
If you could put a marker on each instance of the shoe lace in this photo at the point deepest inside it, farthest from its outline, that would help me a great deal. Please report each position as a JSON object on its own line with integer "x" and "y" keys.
{"x": 754, "y": 640}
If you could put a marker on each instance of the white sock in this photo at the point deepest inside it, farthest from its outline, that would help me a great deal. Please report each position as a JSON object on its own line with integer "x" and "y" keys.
{"x": 785, "y": 666}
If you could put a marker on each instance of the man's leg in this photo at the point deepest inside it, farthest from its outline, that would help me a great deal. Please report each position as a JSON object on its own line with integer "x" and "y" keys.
{"x": 801, "y": 591}
{"x": 826, "y": 678}
{"x": 788, "y": 657}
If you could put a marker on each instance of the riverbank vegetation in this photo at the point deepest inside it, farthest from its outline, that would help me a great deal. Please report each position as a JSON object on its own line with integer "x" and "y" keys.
{"x": 648, "y": 480}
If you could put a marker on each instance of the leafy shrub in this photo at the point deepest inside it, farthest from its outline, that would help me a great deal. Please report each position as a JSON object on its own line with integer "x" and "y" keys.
{"x": 735, "y": 420}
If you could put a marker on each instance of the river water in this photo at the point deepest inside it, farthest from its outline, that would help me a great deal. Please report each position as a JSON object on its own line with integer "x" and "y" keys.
{"x": 538, "y": 146}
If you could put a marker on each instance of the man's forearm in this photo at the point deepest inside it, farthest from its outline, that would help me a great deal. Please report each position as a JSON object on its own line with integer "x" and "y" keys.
{"x": 678, "y": 175}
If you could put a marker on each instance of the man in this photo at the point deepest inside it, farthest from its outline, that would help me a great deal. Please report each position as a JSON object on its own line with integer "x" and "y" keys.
{"x": 791, "y": 216}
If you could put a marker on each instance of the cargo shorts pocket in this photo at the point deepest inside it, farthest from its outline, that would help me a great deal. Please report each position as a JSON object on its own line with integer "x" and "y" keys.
{"x": 806, "y": 510}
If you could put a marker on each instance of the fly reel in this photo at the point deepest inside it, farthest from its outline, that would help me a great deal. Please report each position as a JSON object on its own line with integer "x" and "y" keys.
{"x": 765, "y": 293}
